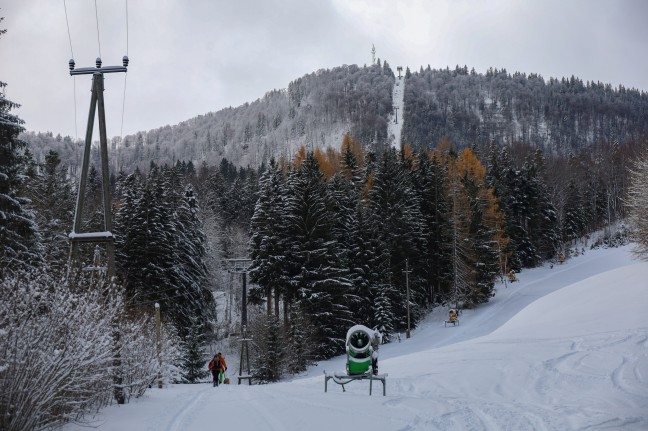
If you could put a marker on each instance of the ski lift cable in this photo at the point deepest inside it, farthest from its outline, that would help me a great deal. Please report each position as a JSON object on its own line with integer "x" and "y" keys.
{"x": 67, "y": 23}
{"x": 97, "y": 20}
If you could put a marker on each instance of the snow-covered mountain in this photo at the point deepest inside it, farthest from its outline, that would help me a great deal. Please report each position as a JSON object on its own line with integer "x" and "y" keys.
{"x": 316, "y": 110}
{"x": 564, "y": 348}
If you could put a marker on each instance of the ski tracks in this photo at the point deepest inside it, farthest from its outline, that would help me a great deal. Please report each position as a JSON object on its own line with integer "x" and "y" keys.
{"x": 179, "y": 418}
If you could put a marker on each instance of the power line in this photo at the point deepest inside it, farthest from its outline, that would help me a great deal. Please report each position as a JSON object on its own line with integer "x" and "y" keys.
{"x": 68, "y": 29}
{"x": 76, "y": 129}
{"x": 67, "y": 23}
{"x": 127, "y": 28}
{"x": 121, "y": 131}
{"x": 97, "y": 19}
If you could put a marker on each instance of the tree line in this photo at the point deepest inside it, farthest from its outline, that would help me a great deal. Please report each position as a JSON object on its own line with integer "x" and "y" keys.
{"x": 555, "y": 115}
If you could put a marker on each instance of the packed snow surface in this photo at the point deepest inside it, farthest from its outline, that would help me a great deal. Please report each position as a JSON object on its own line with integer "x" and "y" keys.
{"x": 565, "y": 348}
{"x": 395, "y": 124}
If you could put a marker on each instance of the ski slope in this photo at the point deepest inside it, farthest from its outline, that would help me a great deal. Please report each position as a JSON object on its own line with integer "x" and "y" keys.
{"x": 565, "y": 348}
{"x": 394, "y": 126}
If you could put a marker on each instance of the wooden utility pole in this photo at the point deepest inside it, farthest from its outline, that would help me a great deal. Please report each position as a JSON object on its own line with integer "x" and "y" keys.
{"x": 407, "y": 271}
{"x": 158, "y": 342}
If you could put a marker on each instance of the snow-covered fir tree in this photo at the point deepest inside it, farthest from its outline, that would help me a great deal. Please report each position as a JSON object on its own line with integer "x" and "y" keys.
{"x": 397, "y": 225}
{"x": 20, "y": 242}
{"x": 319, "y": 285}
{"x": 270, "y": 349}
{"x": 193, "y": 362}
{"x": 267, "y": 242}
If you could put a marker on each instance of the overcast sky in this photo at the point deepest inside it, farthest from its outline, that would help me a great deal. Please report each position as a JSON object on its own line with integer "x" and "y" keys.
{"x": 190, "y": 57}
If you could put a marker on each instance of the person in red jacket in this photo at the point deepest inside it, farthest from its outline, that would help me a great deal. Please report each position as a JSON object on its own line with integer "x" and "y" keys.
{"x": 217, "y": 366}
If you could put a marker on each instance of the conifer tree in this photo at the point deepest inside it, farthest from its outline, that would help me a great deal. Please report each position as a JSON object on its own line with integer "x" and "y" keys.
{"x": 20, "y": 242}
{"x": 268, "y": 362}
{"x": 319, "y": 285}
{"x": 397, "y": 226}
{"x": 193, "y": 362}
{"x": 267, "y": 242}
{"x": 53, "y": 199}
{"x": 191, "y": 251}
{"x": 299, "y": 336}
{"x": 429, "y": 180}
{"x": 574, "y": 221}
{"x": 543, "y": 220}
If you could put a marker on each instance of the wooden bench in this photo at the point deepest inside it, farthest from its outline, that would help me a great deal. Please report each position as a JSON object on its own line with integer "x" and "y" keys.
{"x": 244, "y": 377}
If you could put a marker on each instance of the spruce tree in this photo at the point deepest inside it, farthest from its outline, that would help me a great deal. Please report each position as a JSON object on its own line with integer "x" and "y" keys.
{"x": 300, "y": 337}
{"x": 53, "y": 199}
{"x": 397, "y": 225}
{"x": 267, "y": 242}
{"x": 193, "y": 363}
{"x": 429, "y": 180}
{"x": 191, "y": 250}
{"x": 268, "y": 362}
{"x": 318, "y": 285}
{"x": 20, "y": 243}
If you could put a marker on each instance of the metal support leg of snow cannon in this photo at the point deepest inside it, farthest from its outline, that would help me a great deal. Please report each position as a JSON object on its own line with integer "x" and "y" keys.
{"x": 343, "y": 379}
{"x": 454, "y": 322}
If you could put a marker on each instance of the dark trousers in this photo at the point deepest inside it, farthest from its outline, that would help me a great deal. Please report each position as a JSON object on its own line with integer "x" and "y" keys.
{"x": 215, "y": 374}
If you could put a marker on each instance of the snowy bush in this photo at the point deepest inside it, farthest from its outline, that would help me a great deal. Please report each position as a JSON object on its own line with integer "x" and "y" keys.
{"x": 140, "y": 366}
{"x": 619, "y": 238}
{"x": 58, "y": 351}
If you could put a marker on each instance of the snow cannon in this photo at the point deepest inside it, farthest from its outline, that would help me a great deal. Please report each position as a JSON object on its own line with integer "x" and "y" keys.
{"x": 359, "y": 349}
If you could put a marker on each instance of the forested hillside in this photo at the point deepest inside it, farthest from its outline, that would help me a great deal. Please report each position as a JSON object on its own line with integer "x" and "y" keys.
{"x": 316, "y": 111}
{"x": 557, "y": 116}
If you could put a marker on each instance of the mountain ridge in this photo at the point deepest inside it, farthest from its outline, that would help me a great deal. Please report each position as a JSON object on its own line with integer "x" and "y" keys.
{"x": 318, "y": 109}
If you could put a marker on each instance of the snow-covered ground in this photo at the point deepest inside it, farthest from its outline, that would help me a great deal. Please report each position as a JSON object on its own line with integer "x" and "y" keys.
{"x": 565, "y": 348}
{"x": 394, "y": 126}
